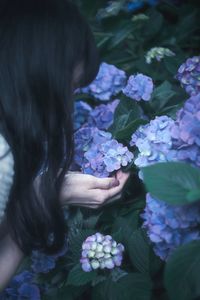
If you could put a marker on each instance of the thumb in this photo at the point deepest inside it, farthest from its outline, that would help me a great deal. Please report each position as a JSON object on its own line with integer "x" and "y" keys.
{"x": 106, "y": 183}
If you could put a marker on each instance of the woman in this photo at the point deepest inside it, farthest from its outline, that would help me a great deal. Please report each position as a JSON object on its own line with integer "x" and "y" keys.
{"x": 46, "y": 51}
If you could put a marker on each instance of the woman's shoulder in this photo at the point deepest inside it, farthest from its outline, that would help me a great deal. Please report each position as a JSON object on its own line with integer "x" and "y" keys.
{"x": 6, "y": 173}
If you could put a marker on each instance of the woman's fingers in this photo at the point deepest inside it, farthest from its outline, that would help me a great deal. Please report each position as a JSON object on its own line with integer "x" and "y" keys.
{"x": 105, "y": 183}
{"x": 122, "y": 177}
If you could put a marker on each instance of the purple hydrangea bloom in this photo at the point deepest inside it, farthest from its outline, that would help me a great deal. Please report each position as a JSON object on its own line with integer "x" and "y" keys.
{"x": 170, "y": 226}
{"x": 42, "y": 263}
{"x": 81, "y": 113}
{"x": 22, "y": 286}
{"x": 96, "y": 153}
{"x": 139, "y": 87}
{"x": 103, "y": 159}
{"x": 102, "y": 116}
{"x": 189, "y": 75}
{"x": 186, "y": 132}
{"x": 153, "y": 142}
{"x": 109, "y": 81}
{"x": 84, "y": 138}
{"x": 101, "y": 252}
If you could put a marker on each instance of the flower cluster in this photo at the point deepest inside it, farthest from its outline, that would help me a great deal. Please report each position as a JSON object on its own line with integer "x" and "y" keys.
{"x": 100, "y": 252}
{"x": 42, "y": 263}
{"x": 170, "y": 226}
{"x": 22, "y": 286}
{"x": 109, "y": 81}
{"x": 158, "y": 53}
{"x": 81, "y": 113}
{"x": 164, "y": 139}
{"x": 139, "y": 87}
{"x": 98, "y": 154}
{"x": 189, "y": 75}
{"x": 186, "y": 131}
{"x": 102, "y": 159}
{"x": 102, "y": 116}
{"x": 153, "y": 142}
{"x": 83, "y": 139}
{"x": 134, "y": 5}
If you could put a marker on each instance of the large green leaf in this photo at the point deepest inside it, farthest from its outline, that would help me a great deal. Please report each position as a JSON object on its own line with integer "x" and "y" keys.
{"x": 126, "y": 112}
{"x": 78, "y": 277}
{"x": 131, "y": 286}
{"x": 139, "y": 249}
{"x": 76, "y": 239}
{"x": 127, "y": 131}
{"x": 182, "y": 273}
{"x": 161, "y": 95}
{"x": 173, "y": 182}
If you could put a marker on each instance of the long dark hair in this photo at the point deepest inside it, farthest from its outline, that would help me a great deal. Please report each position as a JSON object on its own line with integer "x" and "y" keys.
{"x": 42, "y": 42}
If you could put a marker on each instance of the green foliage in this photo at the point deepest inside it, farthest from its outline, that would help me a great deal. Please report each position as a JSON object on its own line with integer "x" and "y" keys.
{"x": 173, "y": 182}
{"x": 77, "y": 277}
{"x": 182, "y": 273}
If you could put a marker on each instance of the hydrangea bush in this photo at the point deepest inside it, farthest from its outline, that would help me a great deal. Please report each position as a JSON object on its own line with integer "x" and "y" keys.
{"x": 141, "y": 114}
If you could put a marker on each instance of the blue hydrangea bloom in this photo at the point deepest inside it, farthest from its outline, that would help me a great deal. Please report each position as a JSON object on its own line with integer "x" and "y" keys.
{"x": 189, "y": 75}
{"x": 42, "y": 263}
{"x": 134, "y": 5}
{"x": 97, "y": 153}
{"x": 139, "y": 87}
{"x": 22, "y": 286}
{"x": 102, "y": 116}
{"x": 103, "y": 159}
{"x": 81, "y": 113}
{"x": 170, "y": 226}
{"x": 109, "y": 81}
{"x": 84, "y": 138}
{"x": 154, "y": 142}
{"x": 186, "y": 131}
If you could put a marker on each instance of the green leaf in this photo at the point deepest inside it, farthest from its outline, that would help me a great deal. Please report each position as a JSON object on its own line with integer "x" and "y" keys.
{"x": 173, "y": 182}
{"x": 153, "y": 25}
{"x": 131, "y": 286}
{"x": 139, "y": 249}
{"x": 78, "y": 277}
{"x": 182, "y": 273}
{"x": 126, "y": 112}
{"x": 76, "y": 239}
{"x": 126, "y": 132}
{"x": 121, "y": 34}
{"x": 161, "y": 95}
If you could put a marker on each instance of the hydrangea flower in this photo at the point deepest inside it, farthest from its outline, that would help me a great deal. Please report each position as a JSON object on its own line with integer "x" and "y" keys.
{"x": 81, "y": 113}
{"x": 170, "y": 226}
{"x": 109, "y": 81}
{"x": 102, "y": 116}
{"x": 186, "y": 131}
{"x": 42, "y": 263}
{"x": 22, "y": 286}
{"x": 96, "y": 153}
{"x": 103, "y": 159}
{"x": 158, "y": 53}
{"x": 153, "y": 141}
{"x": 83, "y": 139}
{"x": 134, "y": 5}
{"x": 189, "y": 75}
{"x": 101, "y": 252}
{"x": 139, "y": 87}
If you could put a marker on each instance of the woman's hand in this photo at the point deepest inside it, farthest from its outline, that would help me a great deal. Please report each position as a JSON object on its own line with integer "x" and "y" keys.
{"x": 89, "y": 191}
